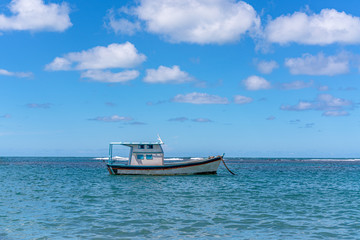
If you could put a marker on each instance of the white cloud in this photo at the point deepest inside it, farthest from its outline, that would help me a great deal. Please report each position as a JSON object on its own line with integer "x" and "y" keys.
{"x": 254, "y": 83}
{"x": 200, "y": 98}
{"x": 110, "y": 77}
{"x": 201, "y": 120}
{"x": 16, "y": 74}
{"x": 267, "y": 67}
{"x": 113, "y": 56}
{"x": 323, "y": 88}
{"x": 297, "y": 85}
{"x": 238, "y": 99}
{"x": 332, "y": 102}
{"x": 299, "y": 107}
{"x": 318, "y": 65}
{"x": 34, "y": 15}
{"x": 166, "y": 75}
{"x": 113, "y": 118}
{"x": 122, "y": 25}
{"x": 327, "y": 27}
{"x": 335, "y": 113}
{"x": 198, "y": 21}
{"x": 332, "y": 106}
{"x": 59, "y": 64}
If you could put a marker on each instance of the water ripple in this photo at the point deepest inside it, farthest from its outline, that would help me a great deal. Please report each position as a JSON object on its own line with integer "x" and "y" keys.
{"x": 58, "y": 198}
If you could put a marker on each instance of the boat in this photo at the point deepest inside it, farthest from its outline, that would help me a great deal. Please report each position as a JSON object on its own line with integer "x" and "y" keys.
{"x": 147, "y": 158}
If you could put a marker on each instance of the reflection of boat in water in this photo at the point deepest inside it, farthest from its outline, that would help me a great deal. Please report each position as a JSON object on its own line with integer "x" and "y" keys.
{"x": 147, "y": 158}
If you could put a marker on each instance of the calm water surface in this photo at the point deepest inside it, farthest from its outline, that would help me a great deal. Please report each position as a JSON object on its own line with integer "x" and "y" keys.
{"x": 76, "y": 198}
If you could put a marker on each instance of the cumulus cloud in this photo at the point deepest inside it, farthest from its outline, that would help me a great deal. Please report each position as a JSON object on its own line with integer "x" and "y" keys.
{"x": 254, "y": 83}
{"x": 200, "y": 98}
{"x": 327, "y": 27}
{"x": 267, "y": 67}
{"x": 296, "y": 85}
{"x": 196, "y": 21}
{"x": 113, "y": 56}
{"x": 330, "y": 105}
{"x": 238, "y": 99}
{"x": 16, "y": 74}
{"x": 122, "y": 25}
{"x": 166, "y": 75}
{"x": 59, "y": 64}
{"x": 110, "y": 77}
{"x": 113, "y": 118}
{"x": 34, "y": 15}
{"x": 318, "y": 65}
{"x": 331, "y": 102}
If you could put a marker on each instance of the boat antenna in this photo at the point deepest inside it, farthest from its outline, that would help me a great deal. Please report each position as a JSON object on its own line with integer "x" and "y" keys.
{"x": 159, "y": 138}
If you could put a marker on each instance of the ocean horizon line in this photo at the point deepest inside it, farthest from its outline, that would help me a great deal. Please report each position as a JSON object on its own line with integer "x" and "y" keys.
{"x": 193, "y": 157}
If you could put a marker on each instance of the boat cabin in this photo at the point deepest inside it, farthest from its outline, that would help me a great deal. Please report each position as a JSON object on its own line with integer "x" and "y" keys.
{"x": 142, "y": 153}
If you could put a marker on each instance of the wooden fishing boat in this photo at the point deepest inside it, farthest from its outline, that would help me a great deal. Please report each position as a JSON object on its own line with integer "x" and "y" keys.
{"x": 147, "y": 158}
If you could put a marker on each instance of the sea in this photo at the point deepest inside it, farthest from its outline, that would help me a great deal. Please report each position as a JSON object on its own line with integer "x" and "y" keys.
{"x": 268, "y": 198}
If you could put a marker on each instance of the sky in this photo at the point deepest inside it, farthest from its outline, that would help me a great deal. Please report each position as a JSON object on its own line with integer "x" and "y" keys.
{"x": 252, "y": 78}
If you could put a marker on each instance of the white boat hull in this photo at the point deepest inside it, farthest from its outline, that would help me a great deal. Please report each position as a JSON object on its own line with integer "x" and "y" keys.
{"x": 208, "y": 166}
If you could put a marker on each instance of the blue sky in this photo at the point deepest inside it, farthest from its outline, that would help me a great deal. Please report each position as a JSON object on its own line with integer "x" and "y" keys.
{"x": 253, "y": 79}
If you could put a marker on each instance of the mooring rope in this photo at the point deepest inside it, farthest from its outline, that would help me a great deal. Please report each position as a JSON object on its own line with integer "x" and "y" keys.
{"x": 222, "y": 159}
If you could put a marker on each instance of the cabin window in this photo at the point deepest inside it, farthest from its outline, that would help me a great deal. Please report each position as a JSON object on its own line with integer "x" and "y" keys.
{"x": 140, "y": 156}
{"x": 149, "y": 157}
{"x": 141, "y": 146}
{"x": 150, "y": 146}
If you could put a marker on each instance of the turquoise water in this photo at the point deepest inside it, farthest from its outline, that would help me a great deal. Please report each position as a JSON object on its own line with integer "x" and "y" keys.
{"x": 76, "y": 198}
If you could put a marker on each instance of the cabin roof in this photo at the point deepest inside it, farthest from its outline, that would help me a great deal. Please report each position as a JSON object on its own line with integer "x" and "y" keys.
{"x": 136, "y": 143}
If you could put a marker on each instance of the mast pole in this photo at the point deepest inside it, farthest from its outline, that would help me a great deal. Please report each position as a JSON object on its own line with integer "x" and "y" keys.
{"x": 110, "y": 153}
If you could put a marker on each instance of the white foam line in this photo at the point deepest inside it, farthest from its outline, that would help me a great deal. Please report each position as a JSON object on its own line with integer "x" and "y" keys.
{"x": 335, "y": 160}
